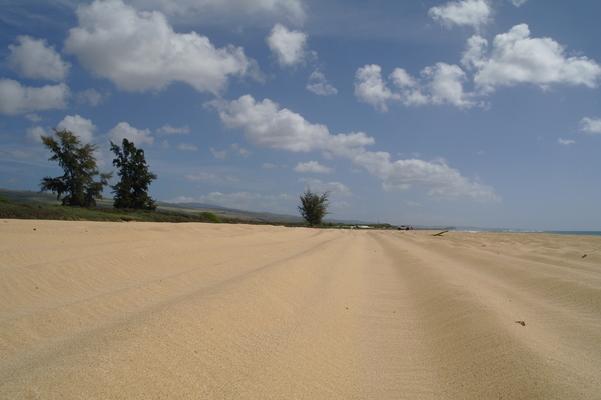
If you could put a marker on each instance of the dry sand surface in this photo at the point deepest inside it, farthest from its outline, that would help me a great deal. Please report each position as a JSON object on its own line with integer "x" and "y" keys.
{"x": 93, "y": 310}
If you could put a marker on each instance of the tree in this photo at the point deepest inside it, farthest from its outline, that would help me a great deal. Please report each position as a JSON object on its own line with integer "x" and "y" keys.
{"x": 76, "y": 186}
{"x": 313, "y": 206}
{"x": 132, "y": 189}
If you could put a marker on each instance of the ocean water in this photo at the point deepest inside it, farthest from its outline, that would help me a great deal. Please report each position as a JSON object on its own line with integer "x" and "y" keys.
{"x": 474, "y": 230}
{"x": 594, "y": 233}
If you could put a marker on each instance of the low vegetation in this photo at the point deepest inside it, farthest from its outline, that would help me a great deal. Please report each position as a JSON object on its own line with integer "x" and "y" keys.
{"x": 32, "y": 210}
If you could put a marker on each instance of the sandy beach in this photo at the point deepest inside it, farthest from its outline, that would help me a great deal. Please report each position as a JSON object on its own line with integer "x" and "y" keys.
{"x": 93, "y": 310}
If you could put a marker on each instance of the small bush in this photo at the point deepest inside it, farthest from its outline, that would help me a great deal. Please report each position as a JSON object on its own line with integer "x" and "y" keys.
{"x": 209, "y": 216}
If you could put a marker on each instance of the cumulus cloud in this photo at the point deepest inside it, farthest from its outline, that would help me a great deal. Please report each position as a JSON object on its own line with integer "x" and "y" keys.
{"x": 173, "y": 130}
{"x": 140, "y": 51}
{"x": 90, "y": 97}
{"x": 33, "y": 117}
{"x": 313, "y": 167}
{"x": 187, "y": 147}
{"x": 516, "y": 58}
{"x": 518, "y": 3}
{"x": 33, "y": 58}
{"x": 474, "y": 54}
{"x": 239, "y": 150}
{"x": 218, "y": 154}
{"x": 123, "y": 130}
{"x": 446, "y": 85}
{"x": 591, "y": 126}
{"x": 565, "y": 142}
{"x": 81, "y": 127}
{"x": 231, "y": 12}
{"x": 370, "y": 88}
{"x": 201, "y": 177}
{"x": 234, "y": 149}
{"x": 438, "y": 84}
{"x": 410, "y": 92}
{"x": 289, "y": 46}
{"x": 334, "y": 188}
{"x": 474, "y": 13}
{"x": 319, "y": 85}
{"x": 266, "y": 124}
{"x": 18, "y": 99}
{"x": 35, "y": 133}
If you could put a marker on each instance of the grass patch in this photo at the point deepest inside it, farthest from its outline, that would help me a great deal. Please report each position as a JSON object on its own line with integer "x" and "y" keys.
{"x": 59, "y": 212}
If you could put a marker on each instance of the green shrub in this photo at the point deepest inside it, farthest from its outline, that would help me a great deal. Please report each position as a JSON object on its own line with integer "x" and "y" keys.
{"x": 209, "y": 216}
{"x": 313, "y": 206}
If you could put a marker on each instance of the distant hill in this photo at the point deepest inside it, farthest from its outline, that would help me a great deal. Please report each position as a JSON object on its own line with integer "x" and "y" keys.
{"x": 233, "y": 213}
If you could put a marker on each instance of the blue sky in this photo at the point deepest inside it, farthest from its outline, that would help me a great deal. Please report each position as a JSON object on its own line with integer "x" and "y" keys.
{"x": 467, "y": 112}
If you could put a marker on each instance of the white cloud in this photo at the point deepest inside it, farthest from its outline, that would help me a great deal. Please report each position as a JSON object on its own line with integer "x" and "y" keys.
{"x": 218, "y": 154}
{"x": 591, "y": 126}
{"x": 35, "y": 133}
{"x": 33, "y": 58}
{"x": 33, "y": 117}
{"x": 517, "y": 58}
{"x": 319, "y": 85}
{"x": 187, "y": 147}
{"x": 91, "y": 97}
{"x": 211, "y": 177}
{"x": 287, "y": 45}
{"x": 370, "y": 88}
{"x": 440, "y": 179}
{"x": 518, "y": 3}
{"x": 201, "y": 177}
{"x": 140, "y": 51}
{"x": 173, "y": 130}
{"x": 123, "y": 130}
{"x": 474, "y": 13}
{"x": 474, "y": 54}
{"x": 230, "y": 12}
{"x": 266, "y": 124}
{"x": 565, "y": 142}
{"x": 18, "y": 99}
{"x": 439, "y": 84}
{"x": 313, "y": 167}
{"x": 410, "y": 93}
{"x": 81, "y": 127}
{"x": 239, "y": 150}
{"x": 446, "y": 85}
{"x": 269, "y": 166}
{"x": 234, "y": 148}
{"x": 334, "y": 188}
{"x": 402, "y": 79}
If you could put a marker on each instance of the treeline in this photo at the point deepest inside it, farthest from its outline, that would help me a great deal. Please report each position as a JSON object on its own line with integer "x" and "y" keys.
{"x": 82, "y": 183}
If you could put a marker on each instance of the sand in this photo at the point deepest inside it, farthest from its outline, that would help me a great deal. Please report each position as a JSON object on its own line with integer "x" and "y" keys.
{"x": 93, "y": 310}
